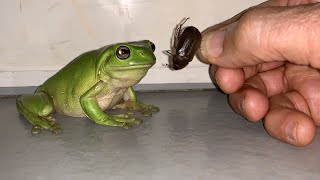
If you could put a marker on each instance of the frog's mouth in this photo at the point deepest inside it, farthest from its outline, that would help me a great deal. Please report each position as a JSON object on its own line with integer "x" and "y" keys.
{"x": 140, "y": 66}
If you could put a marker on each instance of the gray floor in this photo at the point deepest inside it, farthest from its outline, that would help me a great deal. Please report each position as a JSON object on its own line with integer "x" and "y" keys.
{"x": 194, "y": 136}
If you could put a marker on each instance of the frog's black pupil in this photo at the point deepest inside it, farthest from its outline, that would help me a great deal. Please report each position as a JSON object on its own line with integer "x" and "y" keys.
{"x": 153, "y": 47}
{"x": 123, "y": 52}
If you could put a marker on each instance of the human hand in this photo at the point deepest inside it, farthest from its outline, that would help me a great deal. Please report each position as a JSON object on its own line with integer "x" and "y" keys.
{"x": 267, "y": 59}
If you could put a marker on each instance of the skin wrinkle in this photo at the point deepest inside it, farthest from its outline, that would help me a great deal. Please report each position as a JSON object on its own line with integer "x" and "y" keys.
{"x": 255, "y": 20}
{"x": 298, "y": 104}
{"x": 269, "y": 29}
{"x": 306, "y": 19}
{"x": 311, "y": 94}
{"x": 312, "y": 102}
{"x": 241, "y": 104}
{"x": 233, "y": 44}
{"x": 313, "y": 36}
{"x": 298, "y": 2}
{"x": 259, "y": 67}
{"x": 273, "y": 81}
{"x": 284, "y": 104}
{"x": 286, "y": 128}
{"x": 253, "y": 82}
{"x": 285, "y": 81}
{"x": 259, "y": 33}
{"x": 277, "y": 21}
{"x": 314, "y": 61}
{"x": 249, "y": 71}
{"x": 297, "y": 20}
{"x": 246, "y": 25}
{"x": 293, "y": 2}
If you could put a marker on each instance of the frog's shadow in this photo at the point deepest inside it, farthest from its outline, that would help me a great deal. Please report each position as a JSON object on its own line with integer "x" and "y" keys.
{"x": 24, "y": 122}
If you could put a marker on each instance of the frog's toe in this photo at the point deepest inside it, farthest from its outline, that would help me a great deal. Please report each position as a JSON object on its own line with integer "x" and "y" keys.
{"x": 122, "y": 116}
{"x": 153, "y": 108}
{"x": 147, "y": 113}
{"x": 130, "y": 112}
{"x": 50, "y": 118}
{"x": 36, "y": 129}
{"x": 57, "y": 130}
{"x": 137, "y": 121}
{"x": 126, "y": 126}
{"x": 53, "y": 125}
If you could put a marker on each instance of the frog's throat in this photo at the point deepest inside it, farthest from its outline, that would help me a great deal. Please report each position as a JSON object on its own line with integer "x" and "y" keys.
{"x": 119, "y": 72}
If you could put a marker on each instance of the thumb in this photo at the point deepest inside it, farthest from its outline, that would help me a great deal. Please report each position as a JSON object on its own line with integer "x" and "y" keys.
{"x": 266, "y": 34}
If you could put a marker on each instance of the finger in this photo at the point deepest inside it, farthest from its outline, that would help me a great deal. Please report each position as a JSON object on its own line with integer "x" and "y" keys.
{"x": 251, "y": 100}
{"x": 274, "y": 81}
{"x": 228, "y": 80}
{"x": 231, "y": 80}
{"x": 267, "y": 35}
{"x": 250, "y": 103}
{"x": 288, "y": 121}
{"x": 306, "y": 81}
{"x": 250, "y": 71}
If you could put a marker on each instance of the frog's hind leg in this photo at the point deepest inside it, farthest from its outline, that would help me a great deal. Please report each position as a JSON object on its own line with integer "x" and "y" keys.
{"x": 36, "y": 108}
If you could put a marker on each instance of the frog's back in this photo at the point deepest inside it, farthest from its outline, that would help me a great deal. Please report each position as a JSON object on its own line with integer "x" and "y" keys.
{"x": 72, "y": 81}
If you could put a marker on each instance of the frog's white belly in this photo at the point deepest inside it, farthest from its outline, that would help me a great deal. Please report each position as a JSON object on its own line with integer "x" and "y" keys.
{"x": 107, "y": 101}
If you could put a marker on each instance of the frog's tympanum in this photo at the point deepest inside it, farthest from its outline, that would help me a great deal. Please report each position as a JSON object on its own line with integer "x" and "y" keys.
{"x": 90, "y": 84}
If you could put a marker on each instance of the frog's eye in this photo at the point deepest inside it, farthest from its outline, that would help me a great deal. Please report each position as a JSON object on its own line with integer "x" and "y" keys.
{"x": 153, "y": 47}
{"x": 123, "y": 52}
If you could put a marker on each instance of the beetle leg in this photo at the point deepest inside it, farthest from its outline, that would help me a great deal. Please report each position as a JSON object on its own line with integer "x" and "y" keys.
{"x": 168, "y": 52}
{"x": 177, "y": 31}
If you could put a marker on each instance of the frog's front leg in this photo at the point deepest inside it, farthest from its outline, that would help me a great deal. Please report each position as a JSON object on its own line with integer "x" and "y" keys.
{"x": 36, "y": 108}
{"x": 92, "y": 110}
{"x": 133, "y": 105}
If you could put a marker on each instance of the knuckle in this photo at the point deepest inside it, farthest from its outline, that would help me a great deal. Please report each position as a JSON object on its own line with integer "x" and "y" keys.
{"x": 249, "y": 27}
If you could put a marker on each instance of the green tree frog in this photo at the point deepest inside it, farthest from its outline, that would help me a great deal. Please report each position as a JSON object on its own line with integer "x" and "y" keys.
{"x": 90, "y": 84}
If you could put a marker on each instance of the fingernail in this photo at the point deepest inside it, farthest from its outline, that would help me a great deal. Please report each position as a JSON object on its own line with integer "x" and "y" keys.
{"x": 212, "y": 44}
{"x": 291, "y": 131}
{"x": 212, "y": 73}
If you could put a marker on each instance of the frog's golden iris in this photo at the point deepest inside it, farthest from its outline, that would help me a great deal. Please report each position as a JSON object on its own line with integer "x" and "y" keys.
{"x": 123, "y": 52}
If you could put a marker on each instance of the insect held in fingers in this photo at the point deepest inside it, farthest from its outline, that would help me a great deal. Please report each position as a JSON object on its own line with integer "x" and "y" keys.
{"x": 186, "y": 42}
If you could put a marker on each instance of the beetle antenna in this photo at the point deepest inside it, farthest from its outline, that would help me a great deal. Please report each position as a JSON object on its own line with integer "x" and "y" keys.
{"x": 184, "y": 20}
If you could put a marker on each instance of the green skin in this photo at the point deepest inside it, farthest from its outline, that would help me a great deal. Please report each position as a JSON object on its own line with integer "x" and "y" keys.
{"x": 90, "y": 84}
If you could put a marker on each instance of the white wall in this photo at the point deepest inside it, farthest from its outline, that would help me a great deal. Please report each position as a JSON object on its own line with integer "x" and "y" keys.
{"x": 38, "y": 37}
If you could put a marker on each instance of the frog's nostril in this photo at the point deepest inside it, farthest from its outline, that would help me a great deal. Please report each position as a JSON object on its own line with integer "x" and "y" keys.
{"x": 142, "y": 53}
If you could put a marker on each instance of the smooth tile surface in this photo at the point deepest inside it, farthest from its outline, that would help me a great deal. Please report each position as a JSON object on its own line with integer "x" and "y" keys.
{"x": 194, "y": 136}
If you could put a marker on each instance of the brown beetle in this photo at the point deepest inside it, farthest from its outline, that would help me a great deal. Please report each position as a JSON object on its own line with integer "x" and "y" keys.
{"x": 185, "y": 45}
